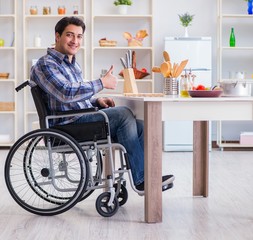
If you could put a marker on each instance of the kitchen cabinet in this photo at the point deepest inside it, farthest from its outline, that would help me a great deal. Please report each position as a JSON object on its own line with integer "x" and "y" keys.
{"x": 8, "y": 73}
{"x": 39, "y": 20}
{"x": 107, "y": 23}
{"x": 234, "y": 63}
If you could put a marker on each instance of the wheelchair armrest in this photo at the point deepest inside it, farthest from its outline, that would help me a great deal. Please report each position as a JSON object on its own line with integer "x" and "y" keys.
{"x": 77, "y": 112}
{"x": 80, "y": 112}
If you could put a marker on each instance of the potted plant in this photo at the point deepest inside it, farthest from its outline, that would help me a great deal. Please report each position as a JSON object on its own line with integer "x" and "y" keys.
{"x": 186, "y": 20}
{"x": 122, "y": 5}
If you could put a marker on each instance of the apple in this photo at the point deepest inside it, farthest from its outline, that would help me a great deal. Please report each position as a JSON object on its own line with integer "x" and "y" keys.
{"x": 1, "y": 42}
{"x": 144, "y": 70}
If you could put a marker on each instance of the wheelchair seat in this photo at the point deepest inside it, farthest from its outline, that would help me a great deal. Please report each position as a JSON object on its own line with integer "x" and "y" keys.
{"x": 90, "y": 131}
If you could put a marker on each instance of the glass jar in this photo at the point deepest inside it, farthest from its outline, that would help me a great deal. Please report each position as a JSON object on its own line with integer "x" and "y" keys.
{"x": 75, "y": 9}
{"x": 33, "y": 10}
{"x": 46, "y": 10}
{"x": 61, "y": 10}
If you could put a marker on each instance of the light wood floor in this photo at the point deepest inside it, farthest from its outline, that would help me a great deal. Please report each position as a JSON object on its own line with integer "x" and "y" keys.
{"x": 226, "y": 214}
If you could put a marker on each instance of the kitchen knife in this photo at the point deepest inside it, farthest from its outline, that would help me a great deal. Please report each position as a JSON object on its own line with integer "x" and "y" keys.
{"x": 123, "y": 62}
{"x": 130, "y": 58}
{"x": 134, "y": 59}
{"x": 127, "y": 60}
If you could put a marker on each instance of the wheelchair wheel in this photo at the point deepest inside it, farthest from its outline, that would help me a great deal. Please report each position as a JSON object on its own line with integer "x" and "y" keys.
{"x": 46, "y": 172}
{"x": 122, "y": 194}
{"x": 102, "y": 205}
{"x": 96, "y": 168}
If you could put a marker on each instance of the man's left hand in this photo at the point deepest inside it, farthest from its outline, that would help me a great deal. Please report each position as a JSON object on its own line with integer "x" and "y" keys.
{"x": 105, "y": 102}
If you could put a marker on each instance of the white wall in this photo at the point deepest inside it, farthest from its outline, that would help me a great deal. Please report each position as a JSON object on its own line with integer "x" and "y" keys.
{"x": 166, "y": 23}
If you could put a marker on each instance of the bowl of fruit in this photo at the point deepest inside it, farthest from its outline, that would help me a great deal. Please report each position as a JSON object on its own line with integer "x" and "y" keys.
{"x": 202, "y": 91}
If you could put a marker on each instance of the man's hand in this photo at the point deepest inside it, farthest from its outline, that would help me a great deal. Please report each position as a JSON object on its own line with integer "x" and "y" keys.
{"x": 105, "y": 102}
{"x": 109, "y": 80}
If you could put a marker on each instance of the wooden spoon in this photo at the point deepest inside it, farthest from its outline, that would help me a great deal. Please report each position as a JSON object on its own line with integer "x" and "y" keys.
{"x": 166, "y": 56}
{"x": 174, "y": 68}
{"x": 180, "y": 68}
{"x": 165, "y": 69}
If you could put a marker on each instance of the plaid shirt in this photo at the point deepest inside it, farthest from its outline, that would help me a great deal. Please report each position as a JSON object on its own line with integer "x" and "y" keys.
{"x": 64, "y": 85}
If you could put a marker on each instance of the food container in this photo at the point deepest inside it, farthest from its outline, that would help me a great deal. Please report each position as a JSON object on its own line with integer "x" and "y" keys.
{"x": 33, "y": 10}
{"x": 236, "y": 89}
{"x": 61, "y": 10}
{"x": 46, "y": 10}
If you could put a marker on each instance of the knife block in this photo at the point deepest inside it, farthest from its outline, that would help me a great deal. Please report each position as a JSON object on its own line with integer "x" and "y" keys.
{"x": 129, "y": 81}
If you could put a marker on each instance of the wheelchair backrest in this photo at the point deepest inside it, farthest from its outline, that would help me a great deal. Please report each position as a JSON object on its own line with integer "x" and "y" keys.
{"x": 40, "y": 104}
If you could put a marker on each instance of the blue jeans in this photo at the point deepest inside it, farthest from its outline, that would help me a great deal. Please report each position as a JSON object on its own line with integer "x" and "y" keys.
{"x": 128, "y": 131}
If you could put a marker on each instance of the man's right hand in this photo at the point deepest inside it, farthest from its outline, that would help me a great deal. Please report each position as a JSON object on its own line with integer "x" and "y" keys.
{"x": 109, "y": 80}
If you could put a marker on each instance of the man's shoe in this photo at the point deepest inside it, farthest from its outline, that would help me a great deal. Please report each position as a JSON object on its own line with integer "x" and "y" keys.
{"x": 167, "y": 183}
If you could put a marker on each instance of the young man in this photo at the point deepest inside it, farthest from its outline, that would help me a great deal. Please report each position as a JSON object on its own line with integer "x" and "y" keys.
{"x": 60, "y": 76}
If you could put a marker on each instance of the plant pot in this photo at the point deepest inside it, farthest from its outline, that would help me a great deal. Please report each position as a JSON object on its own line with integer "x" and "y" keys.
{"x": 122, "y": 9}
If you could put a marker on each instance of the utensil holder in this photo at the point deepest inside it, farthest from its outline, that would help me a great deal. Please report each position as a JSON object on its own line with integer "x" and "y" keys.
{"x": 129, "y": 81}
{"x": 170, "y": 86}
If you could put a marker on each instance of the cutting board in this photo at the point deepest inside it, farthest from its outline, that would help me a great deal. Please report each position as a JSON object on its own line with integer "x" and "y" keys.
{"x": 144, "y": 94}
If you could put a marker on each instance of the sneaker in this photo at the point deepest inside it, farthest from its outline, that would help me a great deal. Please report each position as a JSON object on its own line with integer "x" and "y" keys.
{"x": 167, "y": 183}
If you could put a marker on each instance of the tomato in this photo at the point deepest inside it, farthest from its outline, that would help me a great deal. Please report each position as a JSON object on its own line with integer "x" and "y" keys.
{"x": 194, "y": 88}
{"x": 144, "y": 70}
{"x": 201, "y": 87}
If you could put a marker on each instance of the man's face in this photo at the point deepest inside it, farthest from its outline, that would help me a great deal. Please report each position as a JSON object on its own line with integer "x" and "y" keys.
{"x": 70, "y": 40}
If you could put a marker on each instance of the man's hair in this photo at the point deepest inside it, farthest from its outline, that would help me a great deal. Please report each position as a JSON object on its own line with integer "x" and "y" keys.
{"x": 64, "y": 22}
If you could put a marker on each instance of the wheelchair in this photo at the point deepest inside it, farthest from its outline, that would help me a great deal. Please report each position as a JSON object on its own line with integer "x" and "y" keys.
{"x": 49, "y": 170}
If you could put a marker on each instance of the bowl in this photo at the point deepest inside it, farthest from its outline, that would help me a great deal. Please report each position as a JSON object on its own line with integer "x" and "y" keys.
{"x": 4, "y": 75}
{"x": 137, "y": 74}
{"x": 205, "y": 93}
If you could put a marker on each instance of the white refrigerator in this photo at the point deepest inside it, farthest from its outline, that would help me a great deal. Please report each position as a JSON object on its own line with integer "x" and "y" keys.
{"x": 178, "y": 135}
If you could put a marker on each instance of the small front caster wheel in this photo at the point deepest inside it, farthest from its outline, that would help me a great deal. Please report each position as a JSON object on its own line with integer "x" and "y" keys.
{"x": 122, "y": 195}
{"x": 102, "y": 205}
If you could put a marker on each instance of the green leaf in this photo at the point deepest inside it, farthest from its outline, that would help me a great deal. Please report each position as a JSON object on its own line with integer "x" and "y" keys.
{"x": 185, "y": 19}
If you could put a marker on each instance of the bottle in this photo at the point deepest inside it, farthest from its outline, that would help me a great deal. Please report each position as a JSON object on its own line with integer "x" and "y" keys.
{"x": 232, "y": 38}
{"x": 184, "y": 86}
